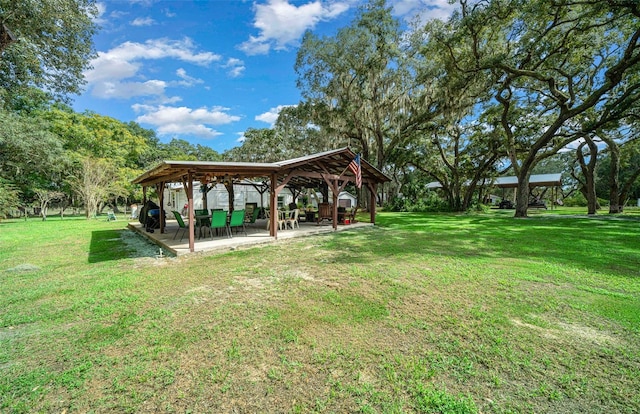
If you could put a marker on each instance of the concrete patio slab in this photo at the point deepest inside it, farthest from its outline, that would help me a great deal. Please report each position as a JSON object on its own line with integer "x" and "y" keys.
{"x": 257, "y": 234}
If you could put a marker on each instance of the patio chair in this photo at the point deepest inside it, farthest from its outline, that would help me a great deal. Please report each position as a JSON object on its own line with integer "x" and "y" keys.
{"x": 325, "y": 212}
{"x": 203, "y": 221}
{"x": 182, "y": 226}
{"x": 282, "y": 220}
{"x": 218, "y": 221}
{"x": 237, "y": 220}
{"x": 292, "y": 220}
{"x": 111, "y": 216}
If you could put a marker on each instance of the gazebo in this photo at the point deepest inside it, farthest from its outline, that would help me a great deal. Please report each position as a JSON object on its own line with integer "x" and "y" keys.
{"x": 330, "y": 167}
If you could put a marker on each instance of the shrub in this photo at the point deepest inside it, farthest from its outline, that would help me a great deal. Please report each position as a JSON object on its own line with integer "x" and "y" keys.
{"x": 430, "y": 203}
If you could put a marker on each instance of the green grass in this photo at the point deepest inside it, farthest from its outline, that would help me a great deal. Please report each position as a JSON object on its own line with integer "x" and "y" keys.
{"x": 425, "y": 313}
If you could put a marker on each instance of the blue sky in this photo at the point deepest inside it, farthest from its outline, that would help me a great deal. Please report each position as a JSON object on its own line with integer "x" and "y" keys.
{"x": 206, "y": 71}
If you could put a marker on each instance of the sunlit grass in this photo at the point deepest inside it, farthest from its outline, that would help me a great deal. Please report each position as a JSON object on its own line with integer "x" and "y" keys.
{"x": 422, "y": 313}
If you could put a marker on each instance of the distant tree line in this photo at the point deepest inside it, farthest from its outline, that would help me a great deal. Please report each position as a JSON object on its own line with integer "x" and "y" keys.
{"x": 52, "y": 154}
{"x": 502, "y": 87}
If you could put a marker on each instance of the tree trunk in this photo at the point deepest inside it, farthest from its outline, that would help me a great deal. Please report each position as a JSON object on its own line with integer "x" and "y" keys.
{"x": 205, "y": 195}
{"x": 592, "y": 199}
{"x": 522, "y": 194}
{"x": 229, "y": 186}
{"x": 614, "y": 183}
{"x": 588, "y": 171}
{"x": 626, "y": 188}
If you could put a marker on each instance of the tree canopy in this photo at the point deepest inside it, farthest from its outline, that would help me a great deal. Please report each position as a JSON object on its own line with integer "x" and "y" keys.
{"x": 53, "y": 46}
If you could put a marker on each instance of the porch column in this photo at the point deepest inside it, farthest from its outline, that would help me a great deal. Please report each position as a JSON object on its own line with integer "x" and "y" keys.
{"x": 192, "y": 217}
{"x": 160, "y": 190}
{"x": 372, "y": 202}
{"x": 273, "y": 207}
{"x": 334, "y": 212}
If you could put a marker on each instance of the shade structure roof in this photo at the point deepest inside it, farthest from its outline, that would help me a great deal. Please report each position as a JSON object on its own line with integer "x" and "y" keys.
{"x": 304, "y": 171}
{"x": 535, "y": 180}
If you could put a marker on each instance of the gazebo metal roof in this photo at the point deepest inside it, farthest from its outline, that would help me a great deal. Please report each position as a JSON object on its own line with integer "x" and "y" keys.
{"x": 535, "y": 180}
{"x": 305, "y": 170}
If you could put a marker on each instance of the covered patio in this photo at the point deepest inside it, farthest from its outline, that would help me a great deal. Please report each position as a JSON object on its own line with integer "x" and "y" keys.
{"x": 257, "y": 234}
{"x": 333, "y": 170}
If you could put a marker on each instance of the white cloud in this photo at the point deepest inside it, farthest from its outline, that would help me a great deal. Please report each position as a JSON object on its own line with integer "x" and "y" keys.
{"x": 281, "y": 24}
{"x": 146, "y": 3}
{"x": 424, "y": 10}
{"x": 164, "y": 100}
{"x": 168, "y": 13}
{"x": 108, "y": 67}
{"x": 183, "y": 50}
{"x": 126, "y": 90}
{"x": 171, "y": 120}
{"x": 241, "y": 138}
{"x": 143, "y": 21}
{"x": 101, "y": 9}
{"x": 271, "y": 116}
{"x": 117, "y": 14}
{"x": 186, "y": 79}
{"x": 236, "y": 67}
{"x": 125, "y": 61}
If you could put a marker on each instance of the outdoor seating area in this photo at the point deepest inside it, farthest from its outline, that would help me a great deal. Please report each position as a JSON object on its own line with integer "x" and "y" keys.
{"x": 321, "y": 176}
{"x": 243, "y": 236}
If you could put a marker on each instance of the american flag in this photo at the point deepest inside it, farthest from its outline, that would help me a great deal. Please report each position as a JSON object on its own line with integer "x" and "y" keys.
{"x": 355, "y": 167}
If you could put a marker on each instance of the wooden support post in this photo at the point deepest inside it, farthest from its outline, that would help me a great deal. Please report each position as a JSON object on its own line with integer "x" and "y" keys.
{"x": 372, "y": 202}
{"x": 273, "y": 207}
{"x": 160, "y": 191}
{"x": 334, "y": 212}
{"x": 192, "y": 217}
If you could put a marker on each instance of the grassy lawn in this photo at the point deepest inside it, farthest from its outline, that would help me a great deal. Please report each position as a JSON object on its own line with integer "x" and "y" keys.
{"x": 422, "y": 313}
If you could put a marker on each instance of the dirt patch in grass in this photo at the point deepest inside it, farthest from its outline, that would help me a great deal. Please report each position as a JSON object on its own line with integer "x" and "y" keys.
{"x": 585, "y": 333}
{"x": 548, "y": 333}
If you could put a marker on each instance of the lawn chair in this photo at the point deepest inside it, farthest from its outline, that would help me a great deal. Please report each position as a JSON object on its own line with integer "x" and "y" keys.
{"x": 237, "y": 220}
{"x": 218, "y": 221}
{"x": 184, "y": 227}
{"x": 202, "y": 221}
{"x": 111, "y": 216}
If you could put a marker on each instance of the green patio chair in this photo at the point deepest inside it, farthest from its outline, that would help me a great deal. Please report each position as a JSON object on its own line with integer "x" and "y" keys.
{"x": 184, "y": 227}
{"x": 218, "y": 221}
{"x": 237, "y": 220}
{"x": 204, "y": 221}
